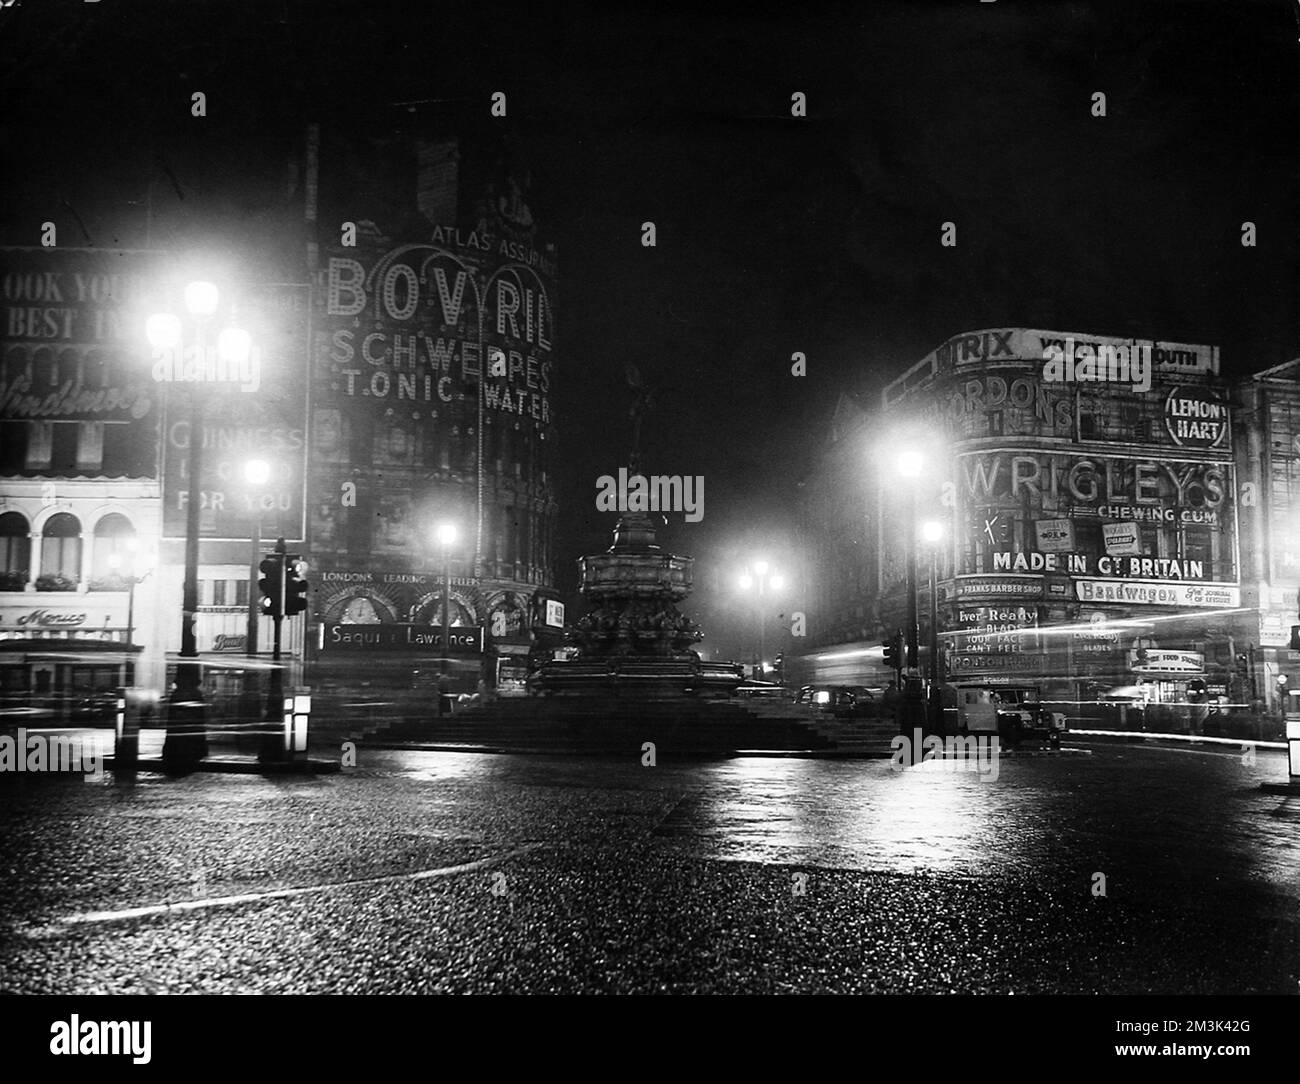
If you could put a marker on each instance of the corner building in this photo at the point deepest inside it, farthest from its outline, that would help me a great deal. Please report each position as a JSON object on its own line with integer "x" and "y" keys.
{"x": 432, "y": 366}
{"x": 1090, "y": 510}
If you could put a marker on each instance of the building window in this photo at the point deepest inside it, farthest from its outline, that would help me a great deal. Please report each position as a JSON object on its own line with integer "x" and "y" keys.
{"x": 61, "y": 548}
{"x": 219, "y": 592}
{"x": 241, "y": 592}
{"x": 115, "y": 545}
{"x": 1088, "y": 540}
{"x": 13, "y": 447}
{"x": 1198, "y": 545}
{"x": 63, "y": 447}
{"x": 16, "y": 547}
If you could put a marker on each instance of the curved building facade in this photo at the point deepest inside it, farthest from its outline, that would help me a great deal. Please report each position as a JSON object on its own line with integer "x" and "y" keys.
{"x": 433, "y": 363}
{"x": 1087, "y": 490}
{"x": 1087, "y": 487}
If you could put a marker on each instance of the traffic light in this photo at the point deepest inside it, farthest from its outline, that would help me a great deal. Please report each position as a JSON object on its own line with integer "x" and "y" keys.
{"x": 295, "y": 586}
{"x": 272, "y": 585}
{"x": 1243, "y": 663}
{"x": 894, "y": 651}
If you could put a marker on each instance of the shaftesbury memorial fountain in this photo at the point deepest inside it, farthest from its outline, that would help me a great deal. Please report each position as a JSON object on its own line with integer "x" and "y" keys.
{"x": 633, "y": 642}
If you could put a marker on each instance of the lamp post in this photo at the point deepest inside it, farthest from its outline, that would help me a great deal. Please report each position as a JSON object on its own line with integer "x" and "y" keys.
{"x": 912, "y": 706}
{"x": 187, "y": 740}
{"x": 761, "y": 576}
{"x": 932, "y": 534}
{"x": 446, "y": 538}
{"x": 141, "y": 566}
{"x": 187, "y": 729}
{"x": 910, "y": 465}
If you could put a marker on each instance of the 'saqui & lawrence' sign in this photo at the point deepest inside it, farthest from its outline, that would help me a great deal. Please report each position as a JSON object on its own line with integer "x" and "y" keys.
{"x": 401, "y": 637}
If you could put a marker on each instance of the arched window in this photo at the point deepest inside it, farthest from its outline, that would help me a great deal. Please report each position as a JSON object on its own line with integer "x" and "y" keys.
{"x": 114, "y": 546}
{"x": 61, "y": 547}
{"x": 16, "y": 549}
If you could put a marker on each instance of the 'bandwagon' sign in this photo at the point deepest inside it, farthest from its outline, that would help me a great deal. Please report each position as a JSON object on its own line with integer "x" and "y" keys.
{"x": 1157, "y": 594}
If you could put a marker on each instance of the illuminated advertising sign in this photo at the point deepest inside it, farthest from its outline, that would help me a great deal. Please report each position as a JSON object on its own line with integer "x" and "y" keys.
{"x": 1157, "y": 594}
{"x": 554, "y": 614}
{"x": 1121, "y": 539}
{"x": 428, "y": 357}
{"x": 239, "y": 426}
{"x": 1081, "y": 359}
{"x": 1168, "y": 662}
{"x": 73, "y": 354}
{"x": 1196, "y": 418}
{"x": 401, "y": 637}
{"x": 994, "y": 630}
{"x": 1123, "y": 511}
{"x": 1054, "y": 535}
{"x": 1011, "y": 344}
{"x": 438, "y": 320}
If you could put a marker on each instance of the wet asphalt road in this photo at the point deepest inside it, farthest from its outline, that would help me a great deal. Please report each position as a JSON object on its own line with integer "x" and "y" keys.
{"x": 526, "y": 874}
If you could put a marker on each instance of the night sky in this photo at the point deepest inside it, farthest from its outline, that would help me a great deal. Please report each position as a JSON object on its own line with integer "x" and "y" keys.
{"x": 775, "y": 234}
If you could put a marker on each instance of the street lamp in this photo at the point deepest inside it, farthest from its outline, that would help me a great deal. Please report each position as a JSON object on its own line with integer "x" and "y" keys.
{"x": 141, "y": 566}
{"x": 187, "y": 725}
{"x": 761, "y": 576}
{"x": 446, "y": 534}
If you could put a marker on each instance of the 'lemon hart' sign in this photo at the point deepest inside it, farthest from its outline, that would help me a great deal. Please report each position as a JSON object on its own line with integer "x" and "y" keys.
{"x": 396, "y": 636}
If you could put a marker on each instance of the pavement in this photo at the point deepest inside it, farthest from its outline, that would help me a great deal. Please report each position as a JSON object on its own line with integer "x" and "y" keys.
{"x": 419, "y": 872}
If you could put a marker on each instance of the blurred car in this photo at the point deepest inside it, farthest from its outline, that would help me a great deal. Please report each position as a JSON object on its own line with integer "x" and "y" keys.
{"x": 765, "y": 690}
{"x": 87, "y": 706}
{"x": 842, "y": 701}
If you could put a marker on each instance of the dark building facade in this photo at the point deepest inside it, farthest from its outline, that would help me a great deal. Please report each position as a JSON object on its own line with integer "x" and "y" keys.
{"x": 433, "y": 360}
{"x": 400, "y": 378}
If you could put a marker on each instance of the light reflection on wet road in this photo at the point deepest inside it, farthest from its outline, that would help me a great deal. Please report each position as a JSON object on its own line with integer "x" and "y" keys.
{"x": 1149, "y": 812}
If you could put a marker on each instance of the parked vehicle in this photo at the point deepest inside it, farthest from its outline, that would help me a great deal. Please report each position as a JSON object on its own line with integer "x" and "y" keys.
{"x": 1013, "y": 712}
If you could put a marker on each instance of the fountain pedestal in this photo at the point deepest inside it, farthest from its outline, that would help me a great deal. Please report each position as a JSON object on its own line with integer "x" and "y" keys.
{"x": 633, "y": 641}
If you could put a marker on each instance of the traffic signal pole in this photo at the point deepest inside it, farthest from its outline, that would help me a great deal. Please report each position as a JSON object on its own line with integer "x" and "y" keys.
{"x": 271, "y": 743}
{"x": 254, "y": 602}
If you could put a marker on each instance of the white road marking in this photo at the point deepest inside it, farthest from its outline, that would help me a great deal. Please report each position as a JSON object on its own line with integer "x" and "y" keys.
{"x": 152, "y": 910}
